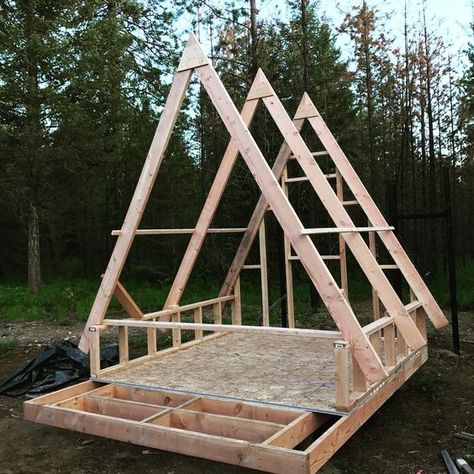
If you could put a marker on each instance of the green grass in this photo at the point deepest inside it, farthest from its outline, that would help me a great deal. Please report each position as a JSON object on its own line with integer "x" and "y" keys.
{"x": 8, "y": 345}
{"x": 69, "y": 300}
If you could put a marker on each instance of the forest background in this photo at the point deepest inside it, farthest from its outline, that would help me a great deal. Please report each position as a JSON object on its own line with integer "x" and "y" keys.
{"x": 82, "y": 84}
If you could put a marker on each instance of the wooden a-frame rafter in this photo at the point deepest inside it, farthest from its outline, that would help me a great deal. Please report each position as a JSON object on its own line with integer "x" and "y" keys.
{"x": 344, "y": 170}
{"x": 194, "y": 59}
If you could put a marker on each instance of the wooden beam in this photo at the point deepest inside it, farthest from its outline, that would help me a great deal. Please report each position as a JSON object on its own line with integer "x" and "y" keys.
{"x": 376, "y": 218}
{"x": 198, "y": 320}
{"x": 290, "y": 301}
{"x": 262, "y": 241}
{"x": 285, "y": 214}
{"x": 342, "y": 242}
{"x": 212, "y": 201}
{"x": 298, "y": 430}
{"x": 127, "y": 302}
{"x": 123, "y": 344}
{"x": 223, "y": 230}
{"x": 341, "y": 218}
{"x": 94, "y": 356}
{"x": 341, "y": 357}
{"x": 237, "y": 305}
{"x": 375, "y": 296}
{"x": 138, "y": 203}
{"x": 344, "y": 230}
{"x": 316, "y": 333}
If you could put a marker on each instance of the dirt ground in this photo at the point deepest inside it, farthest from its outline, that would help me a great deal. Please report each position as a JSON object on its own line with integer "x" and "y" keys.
{"x": 405, "y": 436}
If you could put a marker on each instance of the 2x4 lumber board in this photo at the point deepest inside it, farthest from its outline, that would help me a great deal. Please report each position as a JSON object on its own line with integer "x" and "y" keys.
{"x": 237, "y": 306}
{"x": 390, "y": 347}
{"x": 342, "y": 242}
{"x": 314, "y": 153}
{"x": 375, "y": 297}
{"x": 413, "y": 306}
{"x": 252, "y": 267}
{"x": 262, "y": 245}
{"x": 324, "y": 257}
{"x": 389, "y": 266}
{"x": 420, "y": 322}
{"x": 137, "y": 204}
{"x": 341, "y": 357}
{"x": 330, "y": 441}
{"x": 65, "y": 393}
{"x": 94, "y": 356}
{"x": 218, "y": 425}
{"x": 127, "y": 302}
{"x": 315, "y": 267}
{"x": 297, "y": 431}
{"x": 259, "y": 212}
{"x": 377, "y": 325}
{"x": 176, "y": 331}
{"x": 197, "y": 315}
{"x": 353, "y": 202}
{"x": 187, "y": 307}
{"x": 245, "y": 410}
{"x": 151, "y": 341}
{"x": 123, "y": 344}
{"x": 342, "y": 219}
{"x": 165, "y": 399}
{"x": 290, "y": 301}
{"x": 359, "y": 381}
{"x": 216, "y": 448}
{"x": 315, "y": 333}
{"x": 296, "y": 179}
{"x": 376, "y": 218}
{"x": 344, "y": 230}
{"x": 222, "y": 230}
{"x": 119, "y": 408}
{"x": 210, "y": 206}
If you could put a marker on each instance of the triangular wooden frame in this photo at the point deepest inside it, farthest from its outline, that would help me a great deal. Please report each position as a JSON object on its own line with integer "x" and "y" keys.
{"x": 194, "y": 59}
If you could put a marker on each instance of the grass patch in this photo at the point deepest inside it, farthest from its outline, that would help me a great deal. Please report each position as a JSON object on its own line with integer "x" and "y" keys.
{"x": 8, "y": 345}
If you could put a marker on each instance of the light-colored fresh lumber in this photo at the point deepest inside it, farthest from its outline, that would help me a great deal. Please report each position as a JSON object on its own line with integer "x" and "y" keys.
{"x": 316, "y": 333}
{"x": 94, "y": 359}
{"x": 262, "y": 241}
{"x": 223, "y": 230}
{"x": 252, "y": 267}
{"x": 319, "y": 274}
{"x": 297, "y": 431}
{"x": 219, "y": 425}
{"x": 390, "y": 346}
{"x": 377, "y": 325}
{"x": 217, "y": 448}
{"x": 198, "y": 320}
{"x": 237, "y": 306}
{"x": 127, "y": 302}
{"x": 212, "y": 201}
{"x": 342, "y": 242}
{"x": 123, "y": 344}
{"x": 375, "y": 297}
{"x": 137, "y": 204}
{"x": 344, "y": 230}
{"x": 377, "y": 219}
{"x": 341, "y": 375}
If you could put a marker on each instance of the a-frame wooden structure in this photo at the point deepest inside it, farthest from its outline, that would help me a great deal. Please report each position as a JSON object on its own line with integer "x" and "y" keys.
{"x": 369, "y": 362}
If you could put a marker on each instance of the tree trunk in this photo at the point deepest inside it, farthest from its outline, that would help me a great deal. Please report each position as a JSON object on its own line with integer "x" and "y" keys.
{"x": 34, "y": 262}
{"x": 253, "y": 39}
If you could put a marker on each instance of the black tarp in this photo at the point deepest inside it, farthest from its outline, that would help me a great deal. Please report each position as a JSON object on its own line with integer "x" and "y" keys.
{"x": 55, "y": 367}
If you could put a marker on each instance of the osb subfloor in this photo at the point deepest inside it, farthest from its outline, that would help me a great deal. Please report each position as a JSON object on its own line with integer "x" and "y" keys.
{"x": 286, "y": 370}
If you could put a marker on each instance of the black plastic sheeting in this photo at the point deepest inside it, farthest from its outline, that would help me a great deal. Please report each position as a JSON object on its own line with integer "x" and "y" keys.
{"x": 55, "y": 367}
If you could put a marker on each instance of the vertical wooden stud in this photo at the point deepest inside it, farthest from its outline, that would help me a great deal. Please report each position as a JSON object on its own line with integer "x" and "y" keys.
{"x": 402, "y": 348}
{"x": 151, "y": 339}
{"x": 376, "y": 342}
{"x": 390, "y": 349}
{"x": 290, "y": 303}
{"x": 342, "y": 242}
{"x": 375, "y": 296}
{"x": 94, "y": 356}
{"x": 198, "y": 320}
{"x": 217, "y": 309}
{"x": 420, "y": 322}
{"x": 263, "y": 273}
{"x": 175, "y": 318}
{"x": 123, "y": 344}
{"x": 237, "y": 306}
{"x": 359, "y": 380}
{"x": 341, "y": 355}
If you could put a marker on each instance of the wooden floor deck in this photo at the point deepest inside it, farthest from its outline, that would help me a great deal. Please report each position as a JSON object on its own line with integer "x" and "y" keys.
{"x": 283, "y": 370}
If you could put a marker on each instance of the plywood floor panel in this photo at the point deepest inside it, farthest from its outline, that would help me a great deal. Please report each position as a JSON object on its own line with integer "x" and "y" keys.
{"x": 285, "y": 370}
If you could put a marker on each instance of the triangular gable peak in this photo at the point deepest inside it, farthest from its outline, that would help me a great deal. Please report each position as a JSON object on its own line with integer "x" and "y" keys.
{"x": 194, "y": 60}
